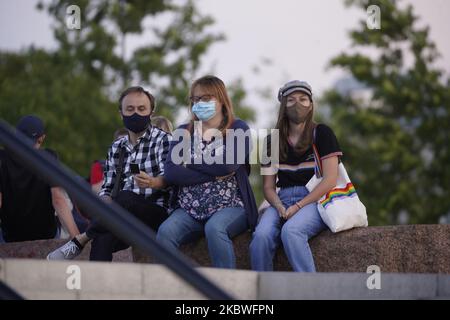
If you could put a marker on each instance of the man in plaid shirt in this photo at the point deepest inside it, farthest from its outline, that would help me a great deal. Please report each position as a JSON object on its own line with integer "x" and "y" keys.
{"x": 144, "y": 194}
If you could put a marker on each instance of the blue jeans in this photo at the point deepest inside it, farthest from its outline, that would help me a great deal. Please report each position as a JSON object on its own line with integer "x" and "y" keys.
{"x": 293, "y": 233}
{"x": 181, "y": 228}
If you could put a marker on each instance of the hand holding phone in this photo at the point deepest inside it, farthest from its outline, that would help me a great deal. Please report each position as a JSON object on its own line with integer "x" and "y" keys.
{"x": 134, "y": 167}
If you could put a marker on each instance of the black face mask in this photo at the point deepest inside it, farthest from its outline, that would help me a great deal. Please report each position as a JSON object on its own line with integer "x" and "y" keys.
{"x": 136, "y": 122}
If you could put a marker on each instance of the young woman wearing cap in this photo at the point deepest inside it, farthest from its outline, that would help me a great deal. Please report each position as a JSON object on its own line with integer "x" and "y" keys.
{"x": 212, "y": 198}
{"x": 293, "y": 218}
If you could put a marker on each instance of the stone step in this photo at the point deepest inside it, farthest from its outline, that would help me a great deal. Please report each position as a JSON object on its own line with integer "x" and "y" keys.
{"x": 40, "y": 279}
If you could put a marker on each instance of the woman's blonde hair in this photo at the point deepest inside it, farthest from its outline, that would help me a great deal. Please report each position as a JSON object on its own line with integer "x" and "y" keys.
{"x": 163, "y": 123}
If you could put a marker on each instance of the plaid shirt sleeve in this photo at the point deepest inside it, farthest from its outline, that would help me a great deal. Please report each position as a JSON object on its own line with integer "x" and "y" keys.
{"x": 163, "y": 151}
{"x": 109, "y": 174}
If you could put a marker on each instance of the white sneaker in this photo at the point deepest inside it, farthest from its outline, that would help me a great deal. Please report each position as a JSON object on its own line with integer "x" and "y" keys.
{"x": 66, "y": 252}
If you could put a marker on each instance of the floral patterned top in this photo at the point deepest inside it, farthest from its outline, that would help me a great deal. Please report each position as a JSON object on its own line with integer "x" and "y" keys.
{"x": 201, "y": 201}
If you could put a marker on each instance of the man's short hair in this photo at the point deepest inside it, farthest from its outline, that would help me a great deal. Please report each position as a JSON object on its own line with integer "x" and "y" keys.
{"x": 137, "y": 89}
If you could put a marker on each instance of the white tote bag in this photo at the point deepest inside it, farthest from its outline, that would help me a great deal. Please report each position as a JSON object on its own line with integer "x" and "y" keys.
{"x": 340, "y": 208}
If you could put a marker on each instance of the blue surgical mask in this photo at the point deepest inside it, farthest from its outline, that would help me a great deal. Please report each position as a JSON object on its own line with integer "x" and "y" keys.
{"x": 204, "y": 110}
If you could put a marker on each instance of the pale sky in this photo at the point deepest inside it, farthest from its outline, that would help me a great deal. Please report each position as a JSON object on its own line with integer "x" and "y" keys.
{"x": 299, "y": 37}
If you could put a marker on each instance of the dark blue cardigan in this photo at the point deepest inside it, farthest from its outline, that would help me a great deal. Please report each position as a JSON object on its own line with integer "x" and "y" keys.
{"x": 179, "y": 175}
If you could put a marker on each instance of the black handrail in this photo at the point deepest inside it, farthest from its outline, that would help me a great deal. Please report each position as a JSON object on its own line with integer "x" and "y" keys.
{"x": 115, "y": 218}
{"x": 7, "y": 293}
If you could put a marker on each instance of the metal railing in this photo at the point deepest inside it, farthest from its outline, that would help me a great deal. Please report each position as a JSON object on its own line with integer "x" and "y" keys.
{"x": 119, "y": 221}
{"x": 6, "y": 293}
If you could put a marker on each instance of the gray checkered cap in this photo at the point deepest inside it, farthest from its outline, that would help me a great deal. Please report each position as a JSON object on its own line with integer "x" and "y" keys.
{"x": 292, "y": 86}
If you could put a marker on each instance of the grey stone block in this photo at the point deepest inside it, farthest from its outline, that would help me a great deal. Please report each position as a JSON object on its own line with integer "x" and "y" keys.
{"x": 241, "y": 284}
{"x": 295, "y": 286}
{"x": 161, "y": 283}
{"x": 111, "y": 278}
{"x": 2, "y": 268}
{"x": 443, "y": 284}
{"x": 49, "y": 295}
{"x": 39, "y": 275}
{"x": 36, "y": 275}
{"x": 109, "y": 296}
{"x": 408, "y": 286}
{"x": 40, "y": 279}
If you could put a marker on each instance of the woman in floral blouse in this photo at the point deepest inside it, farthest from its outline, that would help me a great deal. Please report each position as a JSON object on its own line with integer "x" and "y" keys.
{"x": 212, "y": 194}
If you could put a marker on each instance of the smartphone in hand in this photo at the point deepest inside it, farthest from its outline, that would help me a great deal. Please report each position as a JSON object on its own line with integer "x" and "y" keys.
{"x": 134, "y": 167}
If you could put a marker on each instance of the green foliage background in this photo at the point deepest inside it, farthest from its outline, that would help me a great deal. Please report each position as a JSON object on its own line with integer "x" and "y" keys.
{"x": 396, "y": 142}
{"x": 74, "y": 88}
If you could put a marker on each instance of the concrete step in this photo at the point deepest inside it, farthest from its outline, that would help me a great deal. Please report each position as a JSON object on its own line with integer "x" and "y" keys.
{"x": 40, "y": 279}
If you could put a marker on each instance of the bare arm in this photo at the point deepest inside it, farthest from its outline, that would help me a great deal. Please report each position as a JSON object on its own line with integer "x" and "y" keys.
{"x": 97, "y": 187}
{"x": 270, "y": 193}
{"x": 330, "y": 174}
{"x": 63, "y": 211}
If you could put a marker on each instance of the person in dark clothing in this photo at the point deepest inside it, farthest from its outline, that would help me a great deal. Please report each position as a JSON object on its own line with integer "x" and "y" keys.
{"x": 27, "y": 202}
